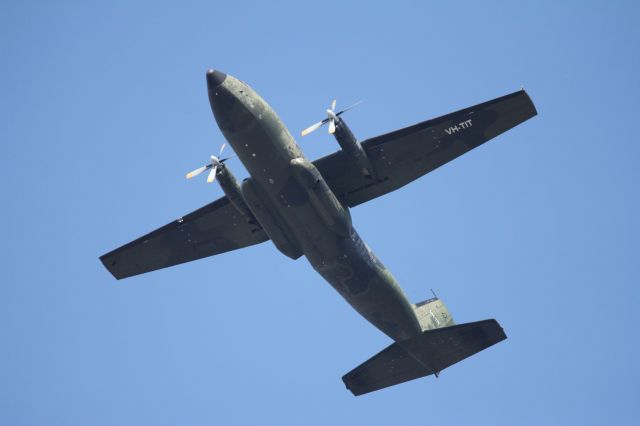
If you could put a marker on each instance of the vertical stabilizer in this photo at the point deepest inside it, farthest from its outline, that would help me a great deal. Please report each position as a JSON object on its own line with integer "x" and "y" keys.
{"x": 433, "y": 313}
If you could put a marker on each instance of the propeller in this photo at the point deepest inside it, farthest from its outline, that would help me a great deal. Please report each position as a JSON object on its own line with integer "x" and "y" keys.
{"x": 213, "y": 166}
{"x": 332, "y": 116}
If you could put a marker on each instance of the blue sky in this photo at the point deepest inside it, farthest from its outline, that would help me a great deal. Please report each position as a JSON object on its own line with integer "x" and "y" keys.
{"x": 104, "y": 108}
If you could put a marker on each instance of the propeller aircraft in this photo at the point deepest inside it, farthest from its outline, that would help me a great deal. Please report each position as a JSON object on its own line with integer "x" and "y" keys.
{"x": 303, "y": 207}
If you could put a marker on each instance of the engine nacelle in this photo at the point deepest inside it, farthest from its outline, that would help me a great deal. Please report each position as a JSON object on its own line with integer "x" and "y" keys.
{"x": 353, "y": 149}
{"x": 231, "y": 188}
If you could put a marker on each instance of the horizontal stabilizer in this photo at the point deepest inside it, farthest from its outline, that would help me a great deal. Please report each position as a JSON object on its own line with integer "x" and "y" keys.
{"x": 429, "y": 353}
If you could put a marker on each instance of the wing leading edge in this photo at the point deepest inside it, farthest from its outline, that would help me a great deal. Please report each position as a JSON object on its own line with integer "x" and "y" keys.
{"x": 406, "y": 154}
{"x": 215, "y": 228}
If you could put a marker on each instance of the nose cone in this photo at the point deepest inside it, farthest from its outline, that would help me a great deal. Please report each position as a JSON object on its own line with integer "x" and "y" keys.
{"x": 215, "y": 78}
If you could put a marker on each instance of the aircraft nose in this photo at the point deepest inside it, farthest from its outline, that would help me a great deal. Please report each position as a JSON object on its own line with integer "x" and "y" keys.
{"x": 215, "y": 78}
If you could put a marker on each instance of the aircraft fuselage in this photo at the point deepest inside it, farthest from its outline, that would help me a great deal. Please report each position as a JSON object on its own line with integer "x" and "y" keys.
{"x": 300, "y": 213}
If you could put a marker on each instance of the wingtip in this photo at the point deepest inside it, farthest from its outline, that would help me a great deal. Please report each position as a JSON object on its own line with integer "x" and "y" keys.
{"x": 109, "y": 263}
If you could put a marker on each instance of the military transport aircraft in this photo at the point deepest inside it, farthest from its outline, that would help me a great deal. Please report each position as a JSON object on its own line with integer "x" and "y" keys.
{"x": 303, "y": 206}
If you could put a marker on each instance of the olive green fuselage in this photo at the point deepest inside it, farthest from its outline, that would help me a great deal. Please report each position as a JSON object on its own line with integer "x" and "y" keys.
{"x": 289, "y": 198}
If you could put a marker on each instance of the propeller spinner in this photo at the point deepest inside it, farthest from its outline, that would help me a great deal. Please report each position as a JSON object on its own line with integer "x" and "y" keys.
{"x": 213, "y": 166}
{"x": 332, "y": 117}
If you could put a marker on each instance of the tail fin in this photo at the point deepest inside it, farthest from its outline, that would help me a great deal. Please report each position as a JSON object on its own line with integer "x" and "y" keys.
{"x": 428, "y": 353}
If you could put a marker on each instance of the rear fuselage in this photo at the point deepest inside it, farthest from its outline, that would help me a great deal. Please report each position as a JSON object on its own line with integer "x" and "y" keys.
{"x": 300, "y": 213}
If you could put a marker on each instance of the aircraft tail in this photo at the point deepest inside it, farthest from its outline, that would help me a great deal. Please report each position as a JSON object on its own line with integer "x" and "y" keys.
{"x": 428, "y": 353}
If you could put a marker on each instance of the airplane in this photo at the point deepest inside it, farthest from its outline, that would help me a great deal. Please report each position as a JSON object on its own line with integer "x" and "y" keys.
{"x": 302, "y": 206}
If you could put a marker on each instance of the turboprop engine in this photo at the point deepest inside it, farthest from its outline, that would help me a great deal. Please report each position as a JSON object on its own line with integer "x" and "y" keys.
{"x": 347, "y": 141}
{"x": 228, "y": 182}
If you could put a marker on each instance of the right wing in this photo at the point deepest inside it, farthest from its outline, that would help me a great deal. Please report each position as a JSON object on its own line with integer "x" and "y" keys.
{"x": 213, "y": 229}
{"x": 404, "y": 155}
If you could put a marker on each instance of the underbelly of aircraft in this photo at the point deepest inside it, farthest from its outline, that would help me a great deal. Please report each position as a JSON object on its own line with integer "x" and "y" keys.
{"x": 302, "y": 215}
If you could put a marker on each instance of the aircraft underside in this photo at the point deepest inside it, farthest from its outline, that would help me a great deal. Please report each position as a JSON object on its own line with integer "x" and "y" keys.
{"x": 303, "y": 208}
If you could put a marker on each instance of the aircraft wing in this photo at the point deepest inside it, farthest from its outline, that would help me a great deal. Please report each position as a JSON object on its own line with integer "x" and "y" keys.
{"x": 213, "y": 229}
{"x": 404, "y": 155}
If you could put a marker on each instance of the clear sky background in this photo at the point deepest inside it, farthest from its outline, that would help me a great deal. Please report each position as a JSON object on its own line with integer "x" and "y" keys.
{"x": 104, "y": 108}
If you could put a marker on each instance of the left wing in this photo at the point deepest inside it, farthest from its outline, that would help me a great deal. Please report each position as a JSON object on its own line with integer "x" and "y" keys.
{"x": 404, "y": 155}
{"x": 213, "y": 229}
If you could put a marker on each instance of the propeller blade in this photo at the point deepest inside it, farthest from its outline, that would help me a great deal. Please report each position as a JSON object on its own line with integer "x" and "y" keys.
{"x": 349, "y": 107}
{"x": 312, "y": 128}
{"x": 333, "y": 105}
{"x": 196, "y": 172}
{"x": 332, "y": 126}
{"x": 222, "y": 149}
{"x": 227, "y": 158}
{"x": 212, "y": 174}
